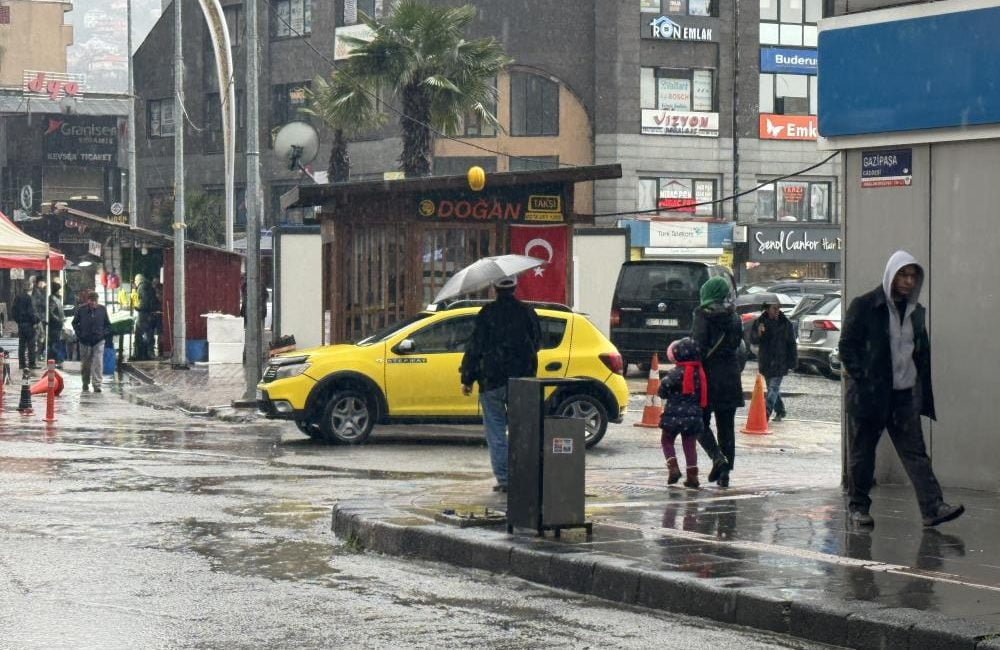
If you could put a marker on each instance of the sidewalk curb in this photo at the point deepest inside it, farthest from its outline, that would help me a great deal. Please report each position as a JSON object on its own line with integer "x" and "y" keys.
{"x": 854, "y": 624}
{"x": 178, "y": 404}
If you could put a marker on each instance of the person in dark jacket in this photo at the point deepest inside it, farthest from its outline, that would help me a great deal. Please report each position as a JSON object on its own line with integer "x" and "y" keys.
{"x": 719, "y": 332}
{"x": 23, "y": 313}
{"x": 886, "y": 353}
{"x": 504, "y": 345}
{"x": 777, "y": 354}
{"x": 56, "y": 318}
{"x": 685, "y": 393}
{"x": 144, "y": 325}
{"x": 91, "y": 324}
{"x": 40, "y": 303}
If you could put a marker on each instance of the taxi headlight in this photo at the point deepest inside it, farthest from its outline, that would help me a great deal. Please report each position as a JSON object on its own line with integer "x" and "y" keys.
{"x": 293, "y": 370}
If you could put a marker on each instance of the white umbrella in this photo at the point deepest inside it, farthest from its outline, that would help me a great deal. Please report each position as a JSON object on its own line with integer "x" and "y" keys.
{"x": 482, "y": 273}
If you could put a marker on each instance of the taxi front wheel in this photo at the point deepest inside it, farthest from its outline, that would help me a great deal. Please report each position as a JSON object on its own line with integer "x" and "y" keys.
{"x": 589, "y": 409}
{"x": 347, "y": 418}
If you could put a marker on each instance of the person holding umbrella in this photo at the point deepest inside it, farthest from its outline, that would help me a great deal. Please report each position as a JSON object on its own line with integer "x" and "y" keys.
{"x": 504, "y": 345}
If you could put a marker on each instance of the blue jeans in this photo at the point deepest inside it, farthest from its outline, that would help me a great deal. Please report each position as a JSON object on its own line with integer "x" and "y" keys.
{"x": 774, "y": 402}
{"x": 494, "y": 403}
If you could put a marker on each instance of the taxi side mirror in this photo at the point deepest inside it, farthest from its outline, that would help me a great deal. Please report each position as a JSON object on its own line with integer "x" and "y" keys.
{"x": 406, "y": 346}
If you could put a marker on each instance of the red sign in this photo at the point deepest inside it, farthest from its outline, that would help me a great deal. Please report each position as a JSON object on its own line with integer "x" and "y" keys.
{"x": 546, "y": 283}
{"x": 54, "y": 85}
{"x": 794, "y": 193}
{"x": 676, "y": 205}
{"x": 788, "y": 127}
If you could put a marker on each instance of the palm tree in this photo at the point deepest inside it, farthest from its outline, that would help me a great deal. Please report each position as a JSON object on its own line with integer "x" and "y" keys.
{"x": 422, "y": 55}
{"x": 348, "y": 110}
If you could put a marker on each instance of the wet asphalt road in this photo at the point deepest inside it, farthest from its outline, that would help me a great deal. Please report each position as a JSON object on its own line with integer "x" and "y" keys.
{"x": 126, "y": 527}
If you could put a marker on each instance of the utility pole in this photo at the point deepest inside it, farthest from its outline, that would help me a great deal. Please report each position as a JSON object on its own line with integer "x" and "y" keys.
{"x": 254, "y": 323}
{"x": 133, "y": 201}
{"x": 179, "y": 357}
{"x": 736, "y": 127}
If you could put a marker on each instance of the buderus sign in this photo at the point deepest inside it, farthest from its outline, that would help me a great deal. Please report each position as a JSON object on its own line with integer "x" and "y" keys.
{"x": 787, "y": 61}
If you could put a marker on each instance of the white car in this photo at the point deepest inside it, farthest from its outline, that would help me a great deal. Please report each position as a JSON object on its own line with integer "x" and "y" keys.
{"x": 819, "y": 335}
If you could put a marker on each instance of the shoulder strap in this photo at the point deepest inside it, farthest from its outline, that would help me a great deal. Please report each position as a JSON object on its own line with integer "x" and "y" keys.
{"x": 716, "y": 346}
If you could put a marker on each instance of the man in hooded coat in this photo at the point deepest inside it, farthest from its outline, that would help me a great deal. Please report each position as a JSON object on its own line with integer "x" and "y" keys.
{"x": 886, "y": 353}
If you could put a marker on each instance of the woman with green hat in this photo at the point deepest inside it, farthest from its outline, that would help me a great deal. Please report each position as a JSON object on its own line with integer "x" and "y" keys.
{"x": 719, "y": 332}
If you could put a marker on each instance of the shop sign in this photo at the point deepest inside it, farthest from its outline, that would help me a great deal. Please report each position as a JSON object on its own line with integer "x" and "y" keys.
{"x": 676, "y": 205}
{"x": 660, "y": 122}
{"x": 52, "y": 85}
{"x": 27, "y": 196}
{"x": 672, "y": 234}
{"x": 669, "y": 29}
{"x": 887, "y": 168}
{"x": 792, "y": 243}
{"x": 788, "y": 127}
{"x": 94, "y": 247}
{"x": 543, "y": 207}
{"x": 785, "y": 61}
{"x": 726, "y": 260}
{"x": 81, "y": 139}
{"x": 674, "y": 94}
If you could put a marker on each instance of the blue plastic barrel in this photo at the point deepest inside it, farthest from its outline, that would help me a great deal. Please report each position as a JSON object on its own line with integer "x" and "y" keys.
{"x": 197, "y": 350}
{"x": 110, "y": 360}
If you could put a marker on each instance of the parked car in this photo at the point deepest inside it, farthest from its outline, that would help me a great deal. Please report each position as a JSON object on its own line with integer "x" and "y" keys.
{"x": 793, "y": 287}
{"x": 653, "y": 305}
{"x": 408, "y": 372}
{"x": 819, "y": 335}
{"x": 835, "y": 362}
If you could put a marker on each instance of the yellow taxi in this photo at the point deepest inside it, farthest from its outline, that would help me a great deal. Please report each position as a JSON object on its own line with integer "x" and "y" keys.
{"x": 338, "y": 393}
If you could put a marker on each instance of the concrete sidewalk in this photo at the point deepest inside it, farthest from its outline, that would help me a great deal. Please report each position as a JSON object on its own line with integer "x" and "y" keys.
{"x": 201, "y": 389}
{"x": 780, "y": 559}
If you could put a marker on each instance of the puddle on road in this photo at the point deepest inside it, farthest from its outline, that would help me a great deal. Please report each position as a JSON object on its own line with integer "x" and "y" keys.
{"x": 283, "y": 515}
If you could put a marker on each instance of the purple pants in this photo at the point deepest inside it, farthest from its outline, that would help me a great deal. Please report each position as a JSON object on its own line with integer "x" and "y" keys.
{"x": 688, "y": 443}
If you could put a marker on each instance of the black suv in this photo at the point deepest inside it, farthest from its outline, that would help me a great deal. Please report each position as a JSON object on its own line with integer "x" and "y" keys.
{"x": 653, "y": 305}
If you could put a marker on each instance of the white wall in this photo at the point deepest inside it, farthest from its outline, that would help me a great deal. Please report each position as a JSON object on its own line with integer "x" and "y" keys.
{"x": 300, "y": 293}
{"x": 597, "y": 257}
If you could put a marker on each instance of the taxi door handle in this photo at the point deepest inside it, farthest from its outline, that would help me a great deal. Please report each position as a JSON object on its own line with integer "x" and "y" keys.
{"x": 555, "y": 365}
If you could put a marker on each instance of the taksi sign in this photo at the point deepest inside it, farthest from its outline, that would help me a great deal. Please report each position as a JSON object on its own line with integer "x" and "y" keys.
{"x": 660, "y": 122}
{"x": 785, "y": 61}
{"x": 887, "y": 168}
{"x": 52, "y": 85}
{"x": 794, "y": 243}
{"x": 81, "y": 139}
{"x": 788, "y": 127}
{"x": 668, "y": 29}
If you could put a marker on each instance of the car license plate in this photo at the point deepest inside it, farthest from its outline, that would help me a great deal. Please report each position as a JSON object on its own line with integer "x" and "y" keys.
{"x": 661, "y": 322}
{"x": 260, "y": 396}
{"x": 805, "y": 336}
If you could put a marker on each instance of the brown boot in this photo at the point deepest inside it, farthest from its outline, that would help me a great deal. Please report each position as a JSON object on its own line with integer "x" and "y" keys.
{"x": 675, "y": 471}
{"x": 692, "y": 478}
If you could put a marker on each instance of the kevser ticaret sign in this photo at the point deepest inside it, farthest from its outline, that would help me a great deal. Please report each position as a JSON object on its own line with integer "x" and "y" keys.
{"x": 795, "y": 243}
{"x": 887, "y": 168}
{"x": 81, "y": 140}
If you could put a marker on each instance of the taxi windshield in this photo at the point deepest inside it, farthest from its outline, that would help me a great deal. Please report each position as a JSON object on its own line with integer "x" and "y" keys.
{"x": 385, "y": 333}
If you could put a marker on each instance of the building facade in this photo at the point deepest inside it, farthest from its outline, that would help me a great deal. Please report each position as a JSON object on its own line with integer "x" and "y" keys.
{"x": 697, "y": 99}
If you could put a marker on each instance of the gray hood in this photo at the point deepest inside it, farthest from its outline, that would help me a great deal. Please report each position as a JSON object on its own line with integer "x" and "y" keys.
{"x": 898, "y": 260}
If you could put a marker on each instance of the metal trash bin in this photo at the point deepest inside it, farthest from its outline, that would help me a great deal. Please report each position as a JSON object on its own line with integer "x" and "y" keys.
{"x": 546, "y": 463}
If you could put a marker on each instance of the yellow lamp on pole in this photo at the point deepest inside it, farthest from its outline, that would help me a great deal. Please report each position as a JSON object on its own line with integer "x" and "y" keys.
{"x": 477, "y": 178}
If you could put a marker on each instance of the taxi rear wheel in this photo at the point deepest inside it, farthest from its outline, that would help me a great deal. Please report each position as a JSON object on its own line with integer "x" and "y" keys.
{"x": 348, "y": 418}
{"x": 589, "y": 409}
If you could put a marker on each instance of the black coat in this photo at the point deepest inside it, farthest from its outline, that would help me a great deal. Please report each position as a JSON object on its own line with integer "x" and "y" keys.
{"x": 148, "y": 302}
{"x": 719, "y": 332}
{"x": 865, "y": 352}
{"x": 91, "y": 325}
{"x": 504, "y": 344}
{"x": 23, "y": 311}
{"x": 778, "y": 353}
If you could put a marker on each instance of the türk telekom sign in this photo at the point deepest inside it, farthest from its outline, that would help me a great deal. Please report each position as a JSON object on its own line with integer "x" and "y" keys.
{"x": 52, "y": 85}
{"x": 788, "y": 127}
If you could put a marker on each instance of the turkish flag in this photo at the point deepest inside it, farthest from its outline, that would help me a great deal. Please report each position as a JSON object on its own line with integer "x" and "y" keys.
{"x": 546, "y": 283}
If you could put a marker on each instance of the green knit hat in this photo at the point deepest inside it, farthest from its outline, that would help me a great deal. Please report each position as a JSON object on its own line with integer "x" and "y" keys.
{"x": 715, "y": 290}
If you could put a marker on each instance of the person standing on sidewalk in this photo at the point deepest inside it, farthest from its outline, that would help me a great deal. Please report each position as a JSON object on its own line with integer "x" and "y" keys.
{"x": 40, "y": 303}
{"x": 886, "y": 353}
{"x": 23, "y": 313}
{"x": 145, "y": 305}
{"x": 684, "y": 391}
{"x": 56, "y": 318}
{"x": 778, "y": 354}
{"x": 719, "y": 332}
{"x": 504, "y": 345}
{"x": 92, "y": 326}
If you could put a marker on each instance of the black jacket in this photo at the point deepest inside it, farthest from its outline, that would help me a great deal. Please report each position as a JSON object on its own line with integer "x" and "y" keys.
{"x": 91, "y": 325}
{"x": 778, "y": 352}
{"x": 148, "y": 302}
{"x": 23, "y": 311}
{"x": 504, "y": 344}
{"x": 719, "y": 332}
{"x": 866, "y": 355}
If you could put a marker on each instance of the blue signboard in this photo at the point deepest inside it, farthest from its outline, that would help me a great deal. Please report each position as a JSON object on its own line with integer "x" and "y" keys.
{"x": 904, "y": 75}
{"x": 887, "y": 168}
{"x": 787, "y": 61}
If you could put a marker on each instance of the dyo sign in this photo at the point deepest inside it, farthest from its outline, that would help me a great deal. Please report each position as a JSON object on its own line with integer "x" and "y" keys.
{"x": 53, "y": 85}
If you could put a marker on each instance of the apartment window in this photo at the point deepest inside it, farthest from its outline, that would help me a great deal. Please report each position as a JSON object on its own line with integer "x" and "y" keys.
{"x": 354, "y": 8}
{"x": 534, "y": 163}
{"x": 160, "y": 118}
{"x": 291, "y": 18}
{"x": 673, "y": 89}
{"x": 682, "y": 7}
{"x": 239, "y": 201}
{"x": 534, "y": 105}
{"x": 788, "y": 94}
{"x": 459, "y": 165}
{"x": 161, "y": 209}
{"x": 677, "y": 194}
{"x": 212, "y": 133}
{"x": 794, "y": 201}
{"x": 234, "y": 23}
{"x": 287, "y": 100}
{"x": 790, "y": 22}
{"x": 4, "y": 15}
{"x": 474, "y": 126}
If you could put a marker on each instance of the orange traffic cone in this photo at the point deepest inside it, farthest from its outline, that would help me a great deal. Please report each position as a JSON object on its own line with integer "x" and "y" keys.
{"x": 654, "y": 407}
{"x": 42, "y": 385}
{"x": 757, "y": 418}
